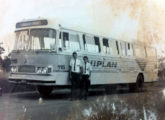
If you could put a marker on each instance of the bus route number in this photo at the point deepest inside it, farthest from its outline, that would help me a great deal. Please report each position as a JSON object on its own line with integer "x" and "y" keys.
{"x": 61, "y": 67}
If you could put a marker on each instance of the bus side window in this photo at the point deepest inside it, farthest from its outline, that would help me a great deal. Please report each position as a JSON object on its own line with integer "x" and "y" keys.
{"x": 128, "y": 46}
{"x": 89, "y": 43}
{"x": 60, "y": 36}
{"x": 117, "y": 46}
{"x": 84, "y": 41}
{"x": 74, "y": 43}
{"x": 60, "y": 43}
{"x": 65, "y": 39}
{"x": 106, "y": 48}
{"x": 129, "y": 50}
{"x": 123, "y": 48}
{"x": 97, "y": 43}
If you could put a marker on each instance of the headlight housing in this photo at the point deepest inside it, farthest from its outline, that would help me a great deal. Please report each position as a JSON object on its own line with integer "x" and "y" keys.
{"x": 44, "y": 70}
{"x": 14, "y": 69}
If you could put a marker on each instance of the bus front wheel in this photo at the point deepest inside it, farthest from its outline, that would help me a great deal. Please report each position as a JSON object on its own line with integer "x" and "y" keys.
{"x": 110, "y": 89}
{"x": 44, "y": 90}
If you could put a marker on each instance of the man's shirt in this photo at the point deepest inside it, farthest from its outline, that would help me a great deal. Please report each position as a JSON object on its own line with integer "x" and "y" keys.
{"x": 75, "y": 65}
{"x": 87, "y": 68}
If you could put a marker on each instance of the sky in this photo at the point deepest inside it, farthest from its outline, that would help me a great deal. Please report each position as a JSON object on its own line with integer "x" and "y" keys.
{"x": 129, "y": 20}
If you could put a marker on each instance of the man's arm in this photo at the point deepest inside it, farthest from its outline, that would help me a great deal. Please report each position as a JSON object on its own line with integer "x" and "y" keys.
{"x": 90, "y": 70}
{"x": 70, "y": 67}
{"x": 81, "y": 70}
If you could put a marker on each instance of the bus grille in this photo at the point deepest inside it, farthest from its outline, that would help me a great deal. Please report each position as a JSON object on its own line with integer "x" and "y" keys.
{"x": 26, "y": 68}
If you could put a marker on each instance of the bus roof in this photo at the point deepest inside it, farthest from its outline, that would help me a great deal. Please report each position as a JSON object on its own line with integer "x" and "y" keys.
{"x": 43, "y": 22}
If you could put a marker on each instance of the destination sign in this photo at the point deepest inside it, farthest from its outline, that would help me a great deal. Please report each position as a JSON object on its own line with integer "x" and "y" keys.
{"x": 103, "y": 64}
{"x": 31, "y": 23}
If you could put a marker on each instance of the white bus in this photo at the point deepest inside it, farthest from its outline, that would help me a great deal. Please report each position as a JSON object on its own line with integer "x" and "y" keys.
{"x": 42, "y": 53}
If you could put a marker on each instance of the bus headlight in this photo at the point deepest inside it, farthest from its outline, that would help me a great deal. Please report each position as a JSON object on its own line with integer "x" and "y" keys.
{"x": 14, "y": 69}
{"x": 39, "y": 70}
{"x": 43, "y": 70}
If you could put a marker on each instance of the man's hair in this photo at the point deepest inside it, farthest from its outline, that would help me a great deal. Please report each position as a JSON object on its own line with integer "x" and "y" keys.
{"x": 85, "y": 57}
{"x": 74, "y": 53}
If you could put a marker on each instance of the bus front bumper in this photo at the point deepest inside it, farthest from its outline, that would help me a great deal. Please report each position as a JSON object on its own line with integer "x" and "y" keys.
{"x": 32, "y": 79}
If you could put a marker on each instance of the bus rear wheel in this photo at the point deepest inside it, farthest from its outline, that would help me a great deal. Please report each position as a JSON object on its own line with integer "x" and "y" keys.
{"x": 138, "y": 86}
{"x": 44, "y": 90}
{"x": 140, "y": 82}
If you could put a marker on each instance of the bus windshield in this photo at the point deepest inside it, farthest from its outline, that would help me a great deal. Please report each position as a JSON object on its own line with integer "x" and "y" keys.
{"x": 35, "y": 39}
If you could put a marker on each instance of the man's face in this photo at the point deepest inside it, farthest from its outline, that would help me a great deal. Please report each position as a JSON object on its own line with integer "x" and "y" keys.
{"x": 74, "y": 55}
{"x": 85, "y": 60}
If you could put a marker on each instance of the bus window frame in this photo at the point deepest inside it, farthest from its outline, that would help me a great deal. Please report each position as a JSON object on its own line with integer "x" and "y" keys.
{"x": 100, "y": 43}
{"x": 63, "y": 47}
{"x": 87, "y": 43}
{"x": 67, "y": 33}
{"x": 78, "y": 39}
{"x": 54, "y": 47}
{"x": 84, "y": 41}
{"x": 129, "y": 48}
{"x": 29, "y": 31}
{"x": 107, "y": 46}
{"x": 16, "y": 41}
{"x": 104, "y": 42}
{"x": 60, "y": 37}
{"x": 117, "y": 47}
{"x": 125, "y": 49}
{"x": 133, "y": 52}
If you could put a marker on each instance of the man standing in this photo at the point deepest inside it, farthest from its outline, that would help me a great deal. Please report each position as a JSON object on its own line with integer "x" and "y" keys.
{"x": 85, "y": 77}
{"x": 75, "y": 69}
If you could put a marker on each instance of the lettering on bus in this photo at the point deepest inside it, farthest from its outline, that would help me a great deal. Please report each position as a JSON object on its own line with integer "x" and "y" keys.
{"x": 61, "y": 67}
{"x": 104, "y": 64}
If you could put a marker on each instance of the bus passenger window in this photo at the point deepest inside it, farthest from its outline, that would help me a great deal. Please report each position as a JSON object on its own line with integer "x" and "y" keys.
{"x": 84, "y": 40}
{"x": 89, "y": 44}
{"x": 128, "y": 46}
{"x": 60, "y": 36}
{"x": 60, "y": 44}
{"x": 117, "y": 46}
{"x": 97, "y": 43}
{"x": 74, "y": 42}
{"x": 129, "y": 50}
{"x": 106, "y": 48}
{"x": 65, "y": 39}
{"x": 123, "y": 48}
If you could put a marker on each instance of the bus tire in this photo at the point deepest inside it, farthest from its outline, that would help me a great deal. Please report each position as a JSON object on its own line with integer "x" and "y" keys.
{"x": 138, "y": 86}
{"x": 139, "y": 83}
{"x": 44, "y": 91}
{"x": 110, "y": 89}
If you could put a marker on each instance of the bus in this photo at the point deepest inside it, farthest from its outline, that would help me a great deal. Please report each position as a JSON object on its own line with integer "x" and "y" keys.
{"x": 42, "y": 52}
